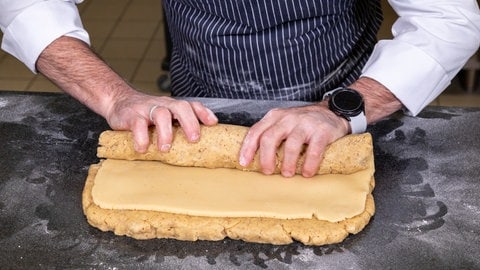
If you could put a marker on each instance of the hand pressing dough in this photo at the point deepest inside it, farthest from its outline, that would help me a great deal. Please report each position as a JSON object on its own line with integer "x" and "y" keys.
{"x": 220, "y": 145}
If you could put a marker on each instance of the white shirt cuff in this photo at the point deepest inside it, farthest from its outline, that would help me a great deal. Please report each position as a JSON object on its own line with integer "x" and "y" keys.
{"x": 38, "y": 26}
{"x": 414, "y": 77}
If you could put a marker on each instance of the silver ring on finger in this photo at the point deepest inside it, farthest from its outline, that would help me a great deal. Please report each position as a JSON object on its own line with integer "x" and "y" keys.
{"x": 150, "y": 114}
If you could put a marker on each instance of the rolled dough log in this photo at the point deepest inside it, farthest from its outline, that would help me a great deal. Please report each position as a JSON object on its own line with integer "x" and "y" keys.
{"x": 219, "y": 147}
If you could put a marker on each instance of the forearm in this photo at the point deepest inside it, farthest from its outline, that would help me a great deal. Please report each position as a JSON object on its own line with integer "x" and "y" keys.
{"x": 76, "y": 69}
{"x": 379, "y": 101}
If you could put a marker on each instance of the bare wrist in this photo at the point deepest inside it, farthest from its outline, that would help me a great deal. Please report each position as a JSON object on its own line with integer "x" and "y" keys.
{"x": 342, "y": 122}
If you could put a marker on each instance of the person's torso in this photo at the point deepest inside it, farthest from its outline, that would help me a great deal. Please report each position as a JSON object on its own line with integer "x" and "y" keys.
{"x": 278, "y": 49}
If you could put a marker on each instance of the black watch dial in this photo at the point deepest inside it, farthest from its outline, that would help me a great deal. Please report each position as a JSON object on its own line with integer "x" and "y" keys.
{"x": 346, "y": 102}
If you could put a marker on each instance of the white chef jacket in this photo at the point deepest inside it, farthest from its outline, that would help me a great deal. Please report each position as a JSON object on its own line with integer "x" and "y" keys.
{"x": 29, "y": 26}
{"x": 432, "y": 41}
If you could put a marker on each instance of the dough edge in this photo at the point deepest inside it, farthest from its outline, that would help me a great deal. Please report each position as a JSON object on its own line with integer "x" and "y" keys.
{"x": 154, "y": 224}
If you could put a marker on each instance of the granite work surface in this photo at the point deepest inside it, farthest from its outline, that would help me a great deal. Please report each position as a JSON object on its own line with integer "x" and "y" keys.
{"x": 427, "y": 196}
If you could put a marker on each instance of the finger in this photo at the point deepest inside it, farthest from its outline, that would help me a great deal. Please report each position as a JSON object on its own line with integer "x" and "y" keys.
{"x": 314, "y": 155}
{"x": 205, "y": 115}
{"x": 183, "y": 112}
{"x": 162, "y": 119}
{"x": 251, "y": 141}
{"x": 248, "y": 149}
{"x": 141, "y": 139}
{"x": 269, "y": 142}
{"x": 292, "y": 147}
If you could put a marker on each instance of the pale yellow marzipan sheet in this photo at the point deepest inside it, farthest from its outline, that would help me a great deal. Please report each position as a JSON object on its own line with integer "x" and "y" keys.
{"x": 151, "y": 185}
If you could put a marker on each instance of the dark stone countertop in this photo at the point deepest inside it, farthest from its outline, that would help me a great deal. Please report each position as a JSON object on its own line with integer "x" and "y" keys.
{"x": 427, "y": 196}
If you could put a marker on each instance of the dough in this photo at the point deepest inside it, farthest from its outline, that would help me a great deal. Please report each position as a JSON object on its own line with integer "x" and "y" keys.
{"x": 143, "y": 224}
{"x": 152, "y": 185}
{"x": 219, "y": 148}
{"x": 220, "y": 145}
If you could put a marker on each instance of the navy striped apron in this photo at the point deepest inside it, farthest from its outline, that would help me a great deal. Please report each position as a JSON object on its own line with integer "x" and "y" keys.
{"x": 271, "y": 49}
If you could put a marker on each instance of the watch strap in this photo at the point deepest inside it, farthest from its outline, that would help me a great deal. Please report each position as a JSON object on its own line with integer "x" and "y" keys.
{"x": 358, "y": 124}
{"x": 329, "y": 93}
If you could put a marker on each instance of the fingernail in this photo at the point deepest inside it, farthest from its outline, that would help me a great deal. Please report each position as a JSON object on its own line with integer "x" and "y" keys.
{"x": 307, "y": 174}
{"x": 242, "y": 161}
{"x": 195, "y": 137}
{"x": 287, "y": 174}
{"x": 139, "y": 149}
{"x": 165, "y": 147}
{"x": 267, "y": 172}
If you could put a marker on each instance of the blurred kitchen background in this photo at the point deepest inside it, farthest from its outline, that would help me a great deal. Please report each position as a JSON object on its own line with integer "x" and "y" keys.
{"x": 129, "y": 35}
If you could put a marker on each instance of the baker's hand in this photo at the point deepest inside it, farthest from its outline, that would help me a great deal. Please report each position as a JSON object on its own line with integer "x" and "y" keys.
{"x": 315, "y": 125}
{"x": 75, "y": 68}
{"x": 136, "y": 111}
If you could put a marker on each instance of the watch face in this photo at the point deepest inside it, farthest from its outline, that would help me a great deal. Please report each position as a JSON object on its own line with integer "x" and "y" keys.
{"x": 346, "y": 102}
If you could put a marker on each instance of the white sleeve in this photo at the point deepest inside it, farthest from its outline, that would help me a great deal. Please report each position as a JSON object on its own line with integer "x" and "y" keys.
{"x": 29, "y": 26}
{"x": 432, "y": 41}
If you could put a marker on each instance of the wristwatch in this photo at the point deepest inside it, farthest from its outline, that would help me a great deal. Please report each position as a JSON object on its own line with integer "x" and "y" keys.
{"x": 348, "y": 103}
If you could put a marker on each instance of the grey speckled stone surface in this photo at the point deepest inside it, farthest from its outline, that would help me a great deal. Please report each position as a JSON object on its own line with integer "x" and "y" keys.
{"x": 427, "y": 196}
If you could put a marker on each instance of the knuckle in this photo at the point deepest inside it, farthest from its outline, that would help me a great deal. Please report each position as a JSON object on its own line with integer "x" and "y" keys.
{"x": 292, "y": 148}
{"x": 181, "y": 105}
{"x": 196, "y": 104}
{"x": 274, "y": 113}
{"x": 315, "y": 154}
{"x": 269, "y": 137}
{"x": 162, "y": 112}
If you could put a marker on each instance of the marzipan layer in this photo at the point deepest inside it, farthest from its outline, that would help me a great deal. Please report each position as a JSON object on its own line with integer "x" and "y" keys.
{"x": 153, "y": 224}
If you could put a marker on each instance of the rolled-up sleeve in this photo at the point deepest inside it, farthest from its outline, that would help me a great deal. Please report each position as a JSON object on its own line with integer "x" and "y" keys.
{"x": 432, "y": 41}
{"x": 29, "y": 26}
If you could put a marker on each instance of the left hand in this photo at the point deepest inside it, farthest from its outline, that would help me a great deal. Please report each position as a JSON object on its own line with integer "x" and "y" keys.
{"x": 136, "y": 111}
{"x": 314, "y": 125}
